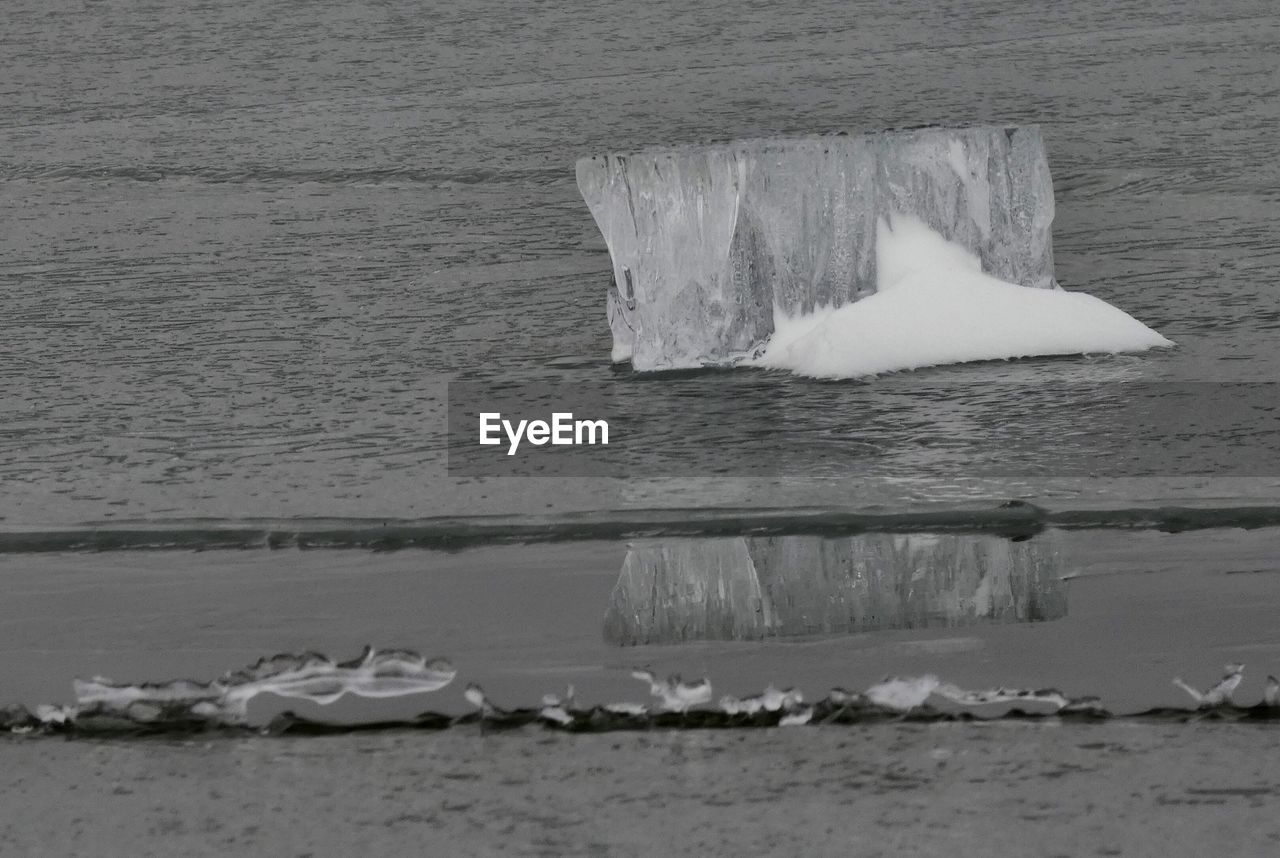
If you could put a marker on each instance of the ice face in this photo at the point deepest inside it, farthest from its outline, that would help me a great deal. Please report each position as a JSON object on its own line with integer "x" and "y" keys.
{"x": 745, "y": 588}
{"x": 707, "y": 241}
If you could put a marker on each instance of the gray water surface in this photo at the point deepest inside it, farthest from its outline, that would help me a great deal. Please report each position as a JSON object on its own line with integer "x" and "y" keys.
{"x": 244, "y": 247}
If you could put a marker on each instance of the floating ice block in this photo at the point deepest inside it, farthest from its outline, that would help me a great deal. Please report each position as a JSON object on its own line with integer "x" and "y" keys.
{"x": 748, "y": 588}
{"x": 707, "y": 241}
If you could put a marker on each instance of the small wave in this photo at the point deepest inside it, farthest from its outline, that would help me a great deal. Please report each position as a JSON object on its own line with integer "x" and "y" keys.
{"x": 1013, "y": 519}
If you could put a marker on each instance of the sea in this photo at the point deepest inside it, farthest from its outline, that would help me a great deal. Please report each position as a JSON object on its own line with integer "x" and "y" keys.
{"x": 246, "y": 248}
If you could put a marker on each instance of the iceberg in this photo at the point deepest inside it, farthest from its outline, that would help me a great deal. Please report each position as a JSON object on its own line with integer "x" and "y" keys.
{"x": 753, "y": 588}
{"x": 744, "y": 252}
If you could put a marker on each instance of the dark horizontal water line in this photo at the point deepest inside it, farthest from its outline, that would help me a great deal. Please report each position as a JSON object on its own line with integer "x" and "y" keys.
{"x": 1014, "y": 520}
{"x": 599, "y": 720}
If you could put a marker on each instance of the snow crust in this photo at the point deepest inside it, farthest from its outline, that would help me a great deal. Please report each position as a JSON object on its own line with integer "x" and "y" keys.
{"x": 934, "y": 305}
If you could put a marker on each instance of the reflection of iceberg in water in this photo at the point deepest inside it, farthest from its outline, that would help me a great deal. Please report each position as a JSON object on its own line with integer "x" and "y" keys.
{"x": 744, "y": 588}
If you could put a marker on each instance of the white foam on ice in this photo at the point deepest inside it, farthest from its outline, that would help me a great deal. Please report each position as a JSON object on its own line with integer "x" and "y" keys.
{"x": 934, "y": 305}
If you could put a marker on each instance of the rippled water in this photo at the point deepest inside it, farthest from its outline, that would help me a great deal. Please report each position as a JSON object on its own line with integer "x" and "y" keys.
{"x": 246, "y": 246}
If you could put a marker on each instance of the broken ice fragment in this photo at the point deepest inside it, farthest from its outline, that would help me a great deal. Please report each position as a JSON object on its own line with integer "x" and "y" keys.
{"x": 1219, "y": 693}
{"x": 675, "y": 694}
{"x": 308, "y": 676}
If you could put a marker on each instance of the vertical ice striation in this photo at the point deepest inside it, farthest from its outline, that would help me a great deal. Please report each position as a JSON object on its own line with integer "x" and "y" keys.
{"x": 692, "y": 589}
{"x": 748, "y": 588}
{"x": 707, "y": 241}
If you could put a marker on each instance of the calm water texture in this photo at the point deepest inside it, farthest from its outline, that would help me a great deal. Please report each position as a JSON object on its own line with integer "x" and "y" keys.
{"x": 244, "y": 247}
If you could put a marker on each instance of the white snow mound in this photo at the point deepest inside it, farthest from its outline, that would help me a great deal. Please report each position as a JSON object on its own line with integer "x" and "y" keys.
{"x": 934, "y": 305}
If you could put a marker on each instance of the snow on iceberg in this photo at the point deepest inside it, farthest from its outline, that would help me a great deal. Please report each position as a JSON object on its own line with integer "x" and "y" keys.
{"x": 934, "y": 305}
